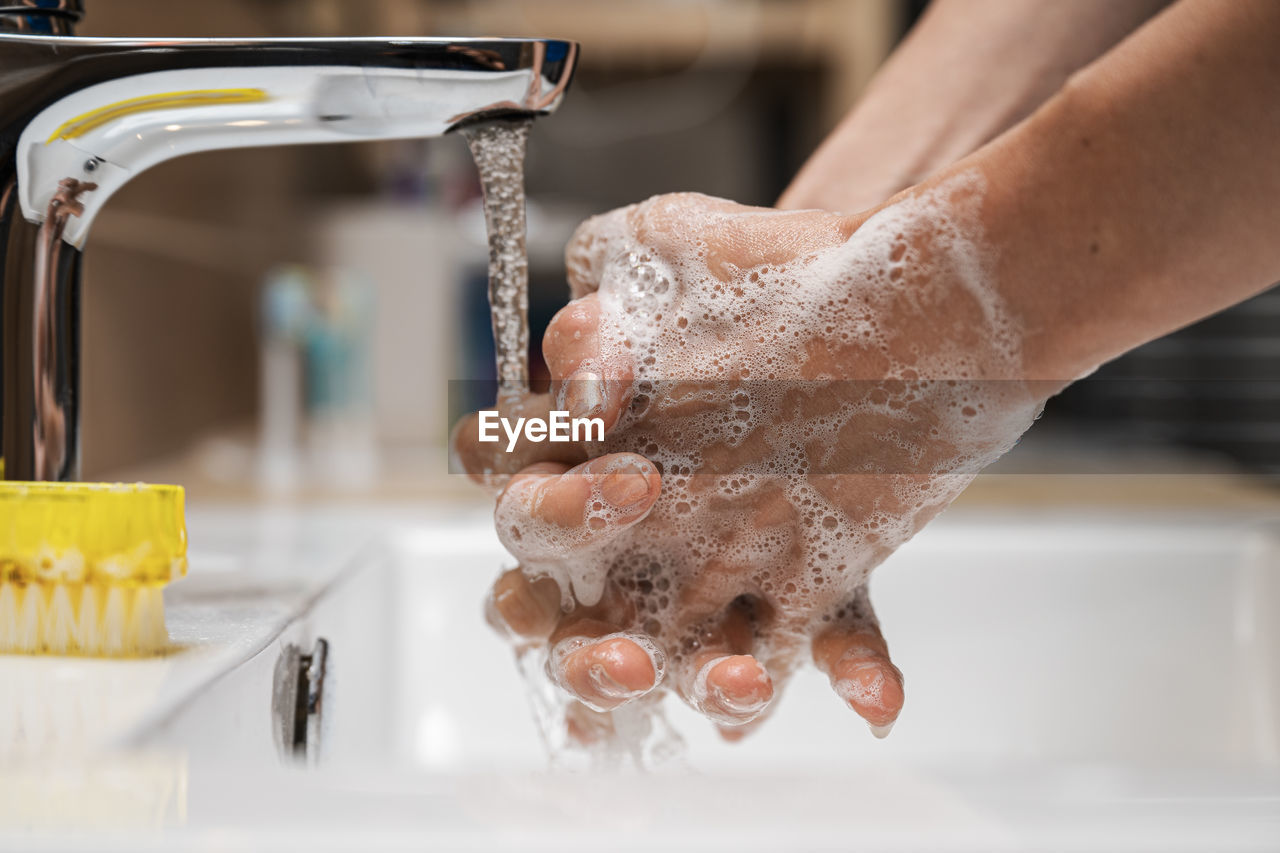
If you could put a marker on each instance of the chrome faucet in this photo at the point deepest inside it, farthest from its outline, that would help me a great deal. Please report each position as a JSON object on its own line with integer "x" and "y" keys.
{"x": 80, "y": 117}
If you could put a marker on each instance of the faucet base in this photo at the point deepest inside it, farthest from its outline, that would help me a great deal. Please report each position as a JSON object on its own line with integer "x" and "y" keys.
{"x": 40, "y": 332}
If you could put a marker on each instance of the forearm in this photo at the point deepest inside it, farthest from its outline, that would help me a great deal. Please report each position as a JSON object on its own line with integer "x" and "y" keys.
{"x": 968, "y": 71}
{"x": 1146, "y": 194}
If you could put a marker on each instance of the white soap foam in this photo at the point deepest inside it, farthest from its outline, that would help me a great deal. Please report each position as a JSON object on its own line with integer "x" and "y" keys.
{"x": 790, "y": 485}
{"x": 543, "y": 544}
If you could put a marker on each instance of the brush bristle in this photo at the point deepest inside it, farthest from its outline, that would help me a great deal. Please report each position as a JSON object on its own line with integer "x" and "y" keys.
{"x": 82, "y": 619}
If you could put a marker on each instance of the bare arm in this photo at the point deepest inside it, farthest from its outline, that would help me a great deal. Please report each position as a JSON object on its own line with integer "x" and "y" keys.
{"x": 968, "y": 71}
{"x": 1146, "y": 194}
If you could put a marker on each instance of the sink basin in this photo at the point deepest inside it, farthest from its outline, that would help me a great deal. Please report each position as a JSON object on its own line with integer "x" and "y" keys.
{"x": 1072, "y": 683}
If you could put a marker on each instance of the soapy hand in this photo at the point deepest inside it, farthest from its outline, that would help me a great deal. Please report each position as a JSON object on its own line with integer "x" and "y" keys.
{"x": 788, "y": 397}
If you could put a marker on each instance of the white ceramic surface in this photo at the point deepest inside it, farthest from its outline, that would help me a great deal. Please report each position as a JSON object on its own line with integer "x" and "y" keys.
{"x": 1072, "y": 683}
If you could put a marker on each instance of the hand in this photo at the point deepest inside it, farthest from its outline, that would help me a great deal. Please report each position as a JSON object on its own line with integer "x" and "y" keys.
{"x": 789, "y": 397}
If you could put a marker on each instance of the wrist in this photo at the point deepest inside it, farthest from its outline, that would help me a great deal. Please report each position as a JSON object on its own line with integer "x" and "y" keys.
{"x": 1071, "y": 281}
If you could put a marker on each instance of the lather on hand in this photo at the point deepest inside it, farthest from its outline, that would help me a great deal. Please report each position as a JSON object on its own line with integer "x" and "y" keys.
{"x": 774, "y": 365}
{"x": 1135, "y": 200}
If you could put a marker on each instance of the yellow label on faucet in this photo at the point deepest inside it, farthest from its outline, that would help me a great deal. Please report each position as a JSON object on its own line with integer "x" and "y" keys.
{"x": 86, "y": 122}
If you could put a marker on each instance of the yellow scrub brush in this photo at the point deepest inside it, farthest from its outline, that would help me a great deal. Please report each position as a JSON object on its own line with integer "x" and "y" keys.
{"x": 83, "y": 567}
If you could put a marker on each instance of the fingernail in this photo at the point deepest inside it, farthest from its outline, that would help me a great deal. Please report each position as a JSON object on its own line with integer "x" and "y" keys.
{"x": 583, "y": 395}
{"x": 754, "y": 702}
{"x": 881, "y": 732}
{"x": 606, "y": 685}
{"x": 722, "y": 707}
{"x": 740, "y": 708}
{"x": 625, "y": 488}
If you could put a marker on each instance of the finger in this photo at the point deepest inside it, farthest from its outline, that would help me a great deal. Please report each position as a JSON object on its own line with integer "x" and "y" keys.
{"x": 737, "y": 237}
{"x": 861, "y": 674}
{"x": 855, "y": 657}
{"x": 606, "y": 672}
{"x": 591, "y": 247}
{"x": 722, "y": 679}
{"x": 527, "y": 608}
{"x": 490, "y": 463}
{"x": 587, "y": 380}
{"x": 732, "y": 690}
{"x": 547, "y": 511}
{"x": 760, "y": 237}
{"x": 600, "y": 665}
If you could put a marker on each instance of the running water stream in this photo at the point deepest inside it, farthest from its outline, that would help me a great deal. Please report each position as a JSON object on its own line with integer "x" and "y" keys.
{"x": 498, "y": 148}
{"x": 639, "y": 735}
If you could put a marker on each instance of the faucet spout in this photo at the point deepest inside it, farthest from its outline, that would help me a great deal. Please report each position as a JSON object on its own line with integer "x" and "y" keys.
{"x": 80, "y": 117}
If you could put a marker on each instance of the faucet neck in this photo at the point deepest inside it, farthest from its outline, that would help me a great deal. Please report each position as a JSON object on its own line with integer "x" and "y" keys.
{"x": 79, "y": 117}
{"x": 40, "y": 17}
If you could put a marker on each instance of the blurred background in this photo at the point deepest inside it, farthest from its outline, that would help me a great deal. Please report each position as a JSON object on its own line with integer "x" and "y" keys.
{"x": 292, "y": 316}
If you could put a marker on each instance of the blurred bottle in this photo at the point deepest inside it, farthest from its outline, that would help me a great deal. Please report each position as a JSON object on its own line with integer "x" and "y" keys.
{"x": 317, "y": 425}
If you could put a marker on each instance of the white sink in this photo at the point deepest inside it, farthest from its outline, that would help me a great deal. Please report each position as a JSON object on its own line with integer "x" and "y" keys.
{"x": 1072, "y": 683}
